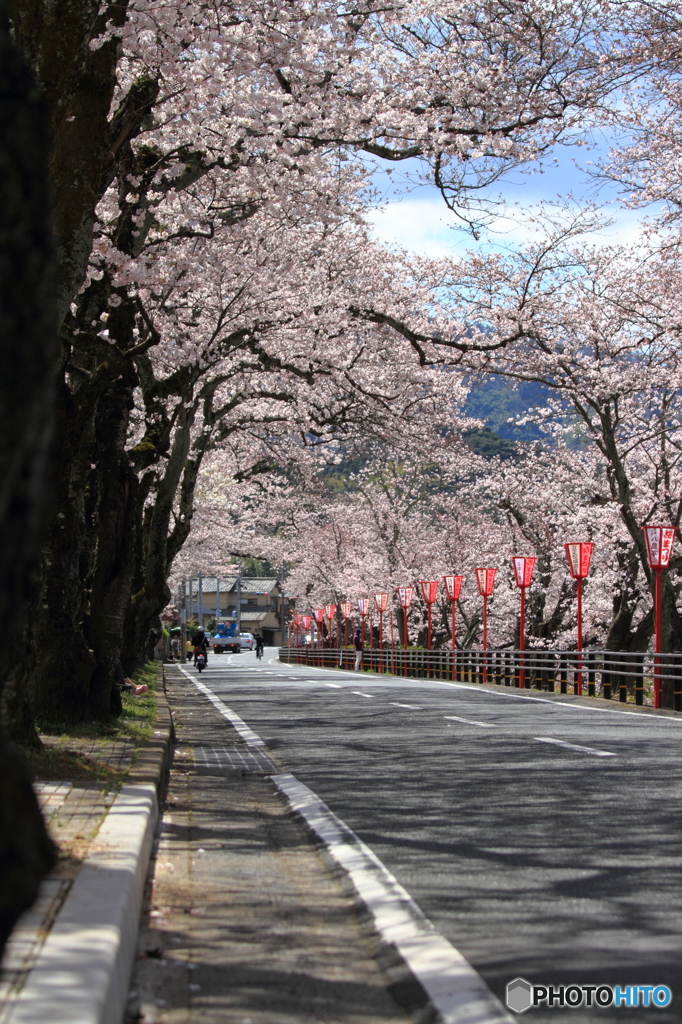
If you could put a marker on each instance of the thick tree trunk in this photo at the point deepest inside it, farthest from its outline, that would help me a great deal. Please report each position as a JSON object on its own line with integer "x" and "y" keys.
{"x": 27, "y": 364}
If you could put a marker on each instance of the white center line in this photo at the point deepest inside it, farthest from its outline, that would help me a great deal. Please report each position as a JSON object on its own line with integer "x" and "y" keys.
{"x": 469, "y": 721}
{"x": 335, "y": 686}
{"x": 359, "y": 693}
{"x": 412, "y": 707}
{"x": 575, "y": 746}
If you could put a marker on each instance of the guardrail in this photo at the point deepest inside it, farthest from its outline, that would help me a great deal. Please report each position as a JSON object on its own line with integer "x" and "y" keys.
{"x": 625, "y": 676}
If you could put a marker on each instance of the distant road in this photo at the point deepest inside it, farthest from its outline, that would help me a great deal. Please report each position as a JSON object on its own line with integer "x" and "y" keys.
{"x": 541, "y": 837}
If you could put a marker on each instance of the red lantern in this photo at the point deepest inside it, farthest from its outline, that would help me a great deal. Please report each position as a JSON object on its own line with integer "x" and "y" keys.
{"x": 485, "y": 579}
{"x": 429, "y": 589}
{"x": 659, "y": 546}
{"x": 523, "y": 570}
{"x": 523, "y": 574}
{"x": 381, "y": 601}
{"x": 453, "y": 586}
{"x": 579, "y": 556}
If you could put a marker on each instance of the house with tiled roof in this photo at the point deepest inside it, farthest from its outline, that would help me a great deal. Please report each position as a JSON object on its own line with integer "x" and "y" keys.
{"x": 259, "y": 599}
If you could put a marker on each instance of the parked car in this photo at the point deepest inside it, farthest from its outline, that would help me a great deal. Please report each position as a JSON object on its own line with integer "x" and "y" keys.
{"x": 247, "y": 641}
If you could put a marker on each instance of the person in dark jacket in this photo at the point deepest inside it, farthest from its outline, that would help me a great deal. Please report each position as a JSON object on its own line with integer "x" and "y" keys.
{"x": 200, "y": 644}
{"x": 359, "y": 645}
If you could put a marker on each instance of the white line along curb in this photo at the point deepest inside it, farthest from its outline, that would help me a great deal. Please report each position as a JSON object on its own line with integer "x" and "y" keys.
{"x": 457, "y": 992}
{"x": 248, "y": 735}
{"x": 82, "y": 973}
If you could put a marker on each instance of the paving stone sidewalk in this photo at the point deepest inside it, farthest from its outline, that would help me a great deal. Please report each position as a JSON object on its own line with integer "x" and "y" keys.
{"x": 74, "y": 812}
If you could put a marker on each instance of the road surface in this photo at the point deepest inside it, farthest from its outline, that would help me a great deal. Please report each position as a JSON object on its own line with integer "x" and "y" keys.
{"x": 540, "y": 836}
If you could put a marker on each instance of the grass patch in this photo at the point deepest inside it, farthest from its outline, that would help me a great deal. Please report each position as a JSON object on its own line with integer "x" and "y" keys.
{"x": 58, "y": 761}
{"x": 139, "y": 713}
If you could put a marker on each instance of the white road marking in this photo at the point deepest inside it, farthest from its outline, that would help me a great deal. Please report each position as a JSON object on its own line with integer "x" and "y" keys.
{"x": 335, "y": 686}
{"x": 413, "y": 707}
{"x": 248, "y": 735}
{"x": 575, "y": 746}
{"x": 470, "y": 721}
{"x": 359, "y": 693}
{"x": 558, "y": 703}
{"x": 456, "y": 991}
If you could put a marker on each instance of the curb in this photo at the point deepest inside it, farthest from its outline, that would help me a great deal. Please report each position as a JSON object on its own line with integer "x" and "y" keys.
{"x": 82, "y": 973}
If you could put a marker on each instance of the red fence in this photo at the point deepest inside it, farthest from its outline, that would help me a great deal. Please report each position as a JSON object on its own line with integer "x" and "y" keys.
{"x": 628, "y": 677}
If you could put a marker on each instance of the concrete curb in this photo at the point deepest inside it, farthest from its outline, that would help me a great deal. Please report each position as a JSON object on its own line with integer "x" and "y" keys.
{"x": 82, "y": 973}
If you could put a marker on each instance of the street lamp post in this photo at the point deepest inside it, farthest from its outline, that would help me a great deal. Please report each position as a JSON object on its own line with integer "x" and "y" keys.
{"x": 523, "y": 573}
{"x": 659, "y": 545}
{"x": 453, "y": 586}
{"x": 579, "y": 556}
{"x": 485, "y": 579}
{"x": 381, "y": 601}
{"x": 405, "y": 595}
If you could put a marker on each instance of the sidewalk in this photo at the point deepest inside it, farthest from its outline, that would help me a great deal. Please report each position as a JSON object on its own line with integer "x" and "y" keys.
{"x": 245, "y": 922}
{"x": 69, "y": 956}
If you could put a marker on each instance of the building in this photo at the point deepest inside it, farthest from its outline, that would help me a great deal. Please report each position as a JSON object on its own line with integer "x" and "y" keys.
{"x": 260, "y": 601}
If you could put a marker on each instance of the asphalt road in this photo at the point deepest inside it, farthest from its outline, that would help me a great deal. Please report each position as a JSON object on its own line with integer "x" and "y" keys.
{"x": 541, "y": 837}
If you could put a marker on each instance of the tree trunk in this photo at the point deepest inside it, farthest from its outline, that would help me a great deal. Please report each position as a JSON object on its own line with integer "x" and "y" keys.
{"x": 27, "y": 364}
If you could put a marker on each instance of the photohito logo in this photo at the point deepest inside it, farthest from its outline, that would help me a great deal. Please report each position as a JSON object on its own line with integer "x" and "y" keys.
{"x": 521, "y": 995}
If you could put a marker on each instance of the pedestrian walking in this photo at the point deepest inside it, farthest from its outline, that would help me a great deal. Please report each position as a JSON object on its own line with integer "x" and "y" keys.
{"x": 359, "y": 645}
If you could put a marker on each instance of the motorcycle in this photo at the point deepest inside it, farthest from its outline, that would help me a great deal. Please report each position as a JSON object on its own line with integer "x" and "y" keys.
{"x": 201, "y": 662}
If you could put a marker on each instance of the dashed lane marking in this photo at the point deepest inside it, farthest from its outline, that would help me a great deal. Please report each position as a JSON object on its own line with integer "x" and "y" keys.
{"x": 470, "y": 721}
{"x": 575, "y": 746}
{"x": 412, "y": 707}
{"x": 359, "y": 693}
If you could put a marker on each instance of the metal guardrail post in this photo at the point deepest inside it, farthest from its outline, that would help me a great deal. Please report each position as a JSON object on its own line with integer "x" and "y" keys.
{"x": 563, "y": 674}
{"x": 639, "y": 678}
{"x": 676, "y": 669}
{"x": 591, "y": 673}
{"x": 606, "y": 676}
{"x": 622, "y": 680}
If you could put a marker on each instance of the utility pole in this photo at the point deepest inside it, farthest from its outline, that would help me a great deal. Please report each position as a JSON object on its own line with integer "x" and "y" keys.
{"x": 239, "y": 598}
{"x": 201, "y": 599}
{"x": 183, "y": 622}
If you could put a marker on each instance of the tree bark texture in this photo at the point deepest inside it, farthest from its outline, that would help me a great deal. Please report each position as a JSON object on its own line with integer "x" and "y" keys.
{"x": 27, "y": 365}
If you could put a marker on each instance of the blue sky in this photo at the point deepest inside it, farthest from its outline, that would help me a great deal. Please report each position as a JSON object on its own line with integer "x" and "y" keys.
{"x": 416, "y": 218}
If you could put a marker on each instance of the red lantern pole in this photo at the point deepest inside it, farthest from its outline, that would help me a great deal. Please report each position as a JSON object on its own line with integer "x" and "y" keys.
{"x": 319, "y": 619}
{"x": 659, "y": 546}
{"x": 485, "y": 579}
{"x": 453, "y": 585}
{"x": 345, "y": 607}
{"x": 363, "y": 608}
{"x": 579, "y": 556}
{"x": 381, "y": 601}
{"x": 330, "y": 612}
{"x": 523, "y": 573}
{"x": 405, "y": 595}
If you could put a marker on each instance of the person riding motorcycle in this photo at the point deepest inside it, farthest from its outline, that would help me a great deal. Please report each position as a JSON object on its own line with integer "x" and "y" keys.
{"x": 200, "y": 644}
